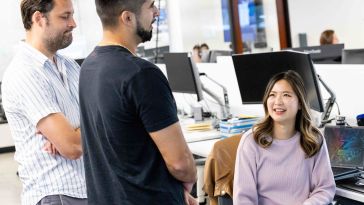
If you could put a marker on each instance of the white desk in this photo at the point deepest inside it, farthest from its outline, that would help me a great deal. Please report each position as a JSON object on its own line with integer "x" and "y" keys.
{"x": 202, "y": 148}
{"x": 196, "y": 136}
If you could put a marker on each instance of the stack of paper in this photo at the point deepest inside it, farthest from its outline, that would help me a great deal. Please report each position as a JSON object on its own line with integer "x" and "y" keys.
{"x": 204, "y": 126}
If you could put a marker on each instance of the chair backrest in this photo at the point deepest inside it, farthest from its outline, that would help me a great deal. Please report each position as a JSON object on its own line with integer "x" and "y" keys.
{"x": 219, "y": 169}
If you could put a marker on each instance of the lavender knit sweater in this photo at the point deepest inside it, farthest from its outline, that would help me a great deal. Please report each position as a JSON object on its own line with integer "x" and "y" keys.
{"x": 281, "y": 174}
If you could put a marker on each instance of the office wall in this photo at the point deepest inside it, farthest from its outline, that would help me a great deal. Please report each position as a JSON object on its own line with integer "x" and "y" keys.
{"x": 314, "y": 16}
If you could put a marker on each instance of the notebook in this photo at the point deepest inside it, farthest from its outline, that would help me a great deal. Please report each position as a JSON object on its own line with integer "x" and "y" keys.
{"x": 346, "y": 150}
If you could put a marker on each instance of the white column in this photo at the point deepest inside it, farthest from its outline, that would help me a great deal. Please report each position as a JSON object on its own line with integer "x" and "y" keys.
{"x": 174, "y": 24}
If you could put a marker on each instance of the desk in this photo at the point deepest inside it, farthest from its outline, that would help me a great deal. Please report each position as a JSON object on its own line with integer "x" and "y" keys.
{"x": 198, "y": 135}
{"x": 202, "y": 148}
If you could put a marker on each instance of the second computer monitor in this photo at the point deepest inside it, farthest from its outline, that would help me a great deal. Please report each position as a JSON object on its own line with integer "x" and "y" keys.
{"x": 353, "y": 56}
{"x": 183, "y": 75}
{"x": 253, "y": 72}
{"x": 215, "y": 53}
{"x": 211, "y": 56}
{"x": 324, "y": 54}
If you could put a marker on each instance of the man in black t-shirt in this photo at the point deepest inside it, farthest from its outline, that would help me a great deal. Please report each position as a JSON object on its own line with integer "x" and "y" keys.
{"x": 134, "y": 150}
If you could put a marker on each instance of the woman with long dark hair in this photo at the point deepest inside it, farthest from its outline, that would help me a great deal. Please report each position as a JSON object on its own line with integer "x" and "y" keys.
{"x": 284, "y": 158}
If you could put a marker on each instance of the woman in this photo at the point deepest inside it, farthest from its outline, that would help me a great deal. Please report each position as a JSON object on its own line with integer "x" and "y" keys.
{"x": 284, "y": 158}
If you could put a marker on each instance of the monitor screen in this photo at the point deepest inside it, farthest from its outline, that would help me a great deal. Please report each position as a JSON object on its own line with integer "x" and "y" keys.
{"x": 210, "y": 56}
{"x": 253, "y": 72}
{"x": 353, "y": 56}
{"x": 345, "y": 145}
{"x": 324, "y": 54}
{"x": 183, "y": 75}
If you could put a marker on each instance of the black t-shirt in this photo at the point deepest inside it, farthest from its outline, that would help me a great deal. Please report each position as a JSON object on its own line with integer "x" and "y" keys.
{"x": 122, "y": 99}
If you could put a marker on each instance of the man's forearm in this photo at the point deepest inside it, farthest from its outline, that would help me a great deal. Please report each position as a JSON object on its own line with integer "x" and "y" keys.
{"x": 185, "y": 171}
{"x": 74, "y": 150}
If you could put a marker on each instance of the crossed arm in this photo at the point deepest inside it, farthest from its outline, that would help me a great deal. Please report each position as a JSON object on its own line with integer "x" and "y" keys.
{"x": 62, "y": 137}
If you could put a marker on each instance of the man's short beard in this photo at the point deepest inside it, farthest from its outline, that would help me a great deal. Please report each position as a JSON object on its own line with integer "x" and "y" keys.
{"x": 56, "y": 42}
{"x": 144, "y": 34}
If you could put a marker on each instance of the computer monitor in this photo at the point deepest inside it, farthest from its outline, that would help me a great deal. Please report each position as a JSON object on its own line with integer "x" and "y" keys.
{"x": 253, "y": 72}
{"x": 183, "y": 75}
{"x": 353, "y": 56}
{"x": 324, "y": 54}
{"x": 211, "y": 56}
{"x": 215, "y": 53}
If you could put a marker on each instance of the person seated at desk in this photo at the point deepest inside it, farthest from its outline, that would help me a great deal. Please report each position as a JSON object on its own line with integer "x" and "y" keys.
{"x": 328, "y": 37}
{"x": 205, "y": 53}
{"x": 196, "y": 54}
{"x": 284, "y": 158}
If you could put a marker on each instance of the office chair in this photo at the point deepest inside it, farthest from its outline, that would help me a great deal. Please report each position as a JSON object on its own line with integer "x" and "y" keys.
{"x": 219, "y": 171}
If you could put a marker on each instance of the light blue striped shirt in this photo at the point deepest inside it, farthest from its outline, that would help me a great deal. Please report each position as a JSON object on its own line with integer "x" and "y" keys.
{"x": 33, "y": 88}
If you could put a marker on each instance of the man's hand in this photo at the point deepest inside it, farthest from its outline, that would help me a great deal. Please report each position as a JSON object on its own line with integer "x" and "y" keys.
{"x": 50, "y": 148}
{"x": 189, "y": 200}
{"x": 188, "y": 187}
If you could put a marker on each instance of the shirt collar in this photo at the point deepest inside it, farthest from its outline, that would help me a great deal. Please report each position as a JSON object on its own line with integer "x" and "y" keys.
{"x": 36, "y": 54}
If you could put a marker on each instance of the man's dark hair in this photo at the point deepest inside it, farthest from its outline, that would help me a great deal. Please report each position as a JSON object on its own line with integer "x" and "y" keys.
{"x": 205, "y": 45}
{"x": 110, "y": 10}
{"x": 29, "y": 7}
